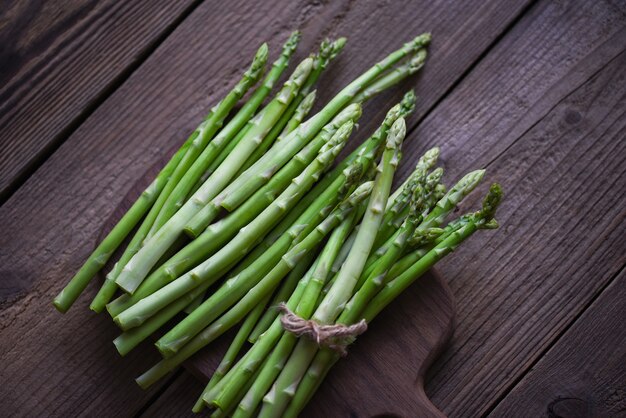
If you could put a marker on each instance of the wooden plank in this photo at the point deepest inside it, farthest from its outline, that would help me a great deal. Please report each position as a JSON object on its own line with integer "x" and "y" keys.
{"x": 59, "y": 59}
{"x": 583, "y": 374}
{"x": 544, "y": 112}
{"x": 49, "y": 225}
{"x": 65, "y": 365}
{"x": 178, "y": 399}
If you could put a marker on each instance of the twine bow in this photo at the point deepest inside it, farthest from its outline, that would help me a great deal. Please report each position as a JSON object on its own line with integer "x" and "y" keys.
{"x": 336, "y": 337}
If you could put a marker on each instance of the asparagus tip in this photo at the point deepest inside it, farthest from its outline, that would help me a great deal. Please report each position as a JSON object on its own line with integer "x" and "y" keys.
{"x": 491, "y": 202}
{"x": 429, "y": 159}
{"x": 422, "y": 40}
{"x": 417, "y": 62}
{"x": 307, "y": 102}
{"x": 338, "y": 45}
{"x": 396, "y": 133}
{"x": 408, "y": 102}
{"x": 303, "y": 69}
{"x": 291, "y": 43}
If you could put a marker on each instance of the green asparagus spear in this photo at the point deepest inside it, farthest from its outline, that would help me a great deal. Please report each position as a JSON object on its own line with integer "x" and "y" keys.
{"x": 103, "y": 252}
{"x": 138, "y": 267}
{"x": 196, "y": 163}
{"x": 246, "y": 328}
{"x": 269, "y": 282}
{"x": 361, "y": 157}
{"x": 326, "y": 358}
{"x": 109, "y": 287}
{"x": 305, "y": 308}
{"x": 279, "y": 396}
{"x": 393, "y": 77}
{"x": 236, "y": 286}
{"x": 288, "y": 122}
{"x": 211, "y": 269}
{"x": 328, "y": 51}
{"x": 247, "y": 182}
{"x": 219, "y": 233}
{"x": 201, "y": 220}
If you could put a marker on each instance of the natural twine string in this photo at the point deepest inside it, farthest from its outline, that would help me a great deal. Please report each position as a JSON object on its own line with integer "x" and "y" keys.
{"x": 336, "y": 337}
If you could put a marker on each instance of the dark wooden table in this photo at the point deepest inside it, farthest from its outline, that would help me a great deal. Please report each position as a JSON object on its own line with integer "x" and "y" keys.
{"x": 91, "y": 92}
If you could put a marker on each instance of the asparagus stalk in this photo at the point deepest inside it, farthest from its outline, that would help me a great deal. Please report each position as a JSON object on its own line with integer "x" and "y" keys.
{"x": 194, "y": 303}
{"x": 225, "y": 152}
{"x": 305, "y": 308}
{"x": 205, "y": 132}
{"x": 332, "y": 304}
{"x": 286, "y": 290}
{"x": 393, "y": 77}
{"x": 479, "y": 220}
{"x": 261, "y": 263}
{"x": 194, "y": 252}
{"x": 301, "y": 112}
{"x": 105, "y": 249}
{"x": 138, "y": 267}
{"x": 128, "y": 340}
{"x": 363, "y": 155}
{"x": 267, "y": 339}
{"x": 360, "y": 158}
{"x": 109, "y": 287}
{"x": 206, "y": 215}
{"x": 328, "y": 51}
{"x": 269, "y": 282}
{"x": 304, "y": 224}
{"x": 326, "y": 358}
{"x": 211, "y": 269}
{"x": 249, "y": 323}
{"x": 423, "y": 189}
{"x": 131, "y": 338}
{"x": 219, "y": 233}
{"x": 401, "y": 197}
{"x": 429, "y": 228}
{"x": 237, "y": 286}
{"x": 288, "y": 122}
{"x": 247, "y": 182}
{"x": 198, "y": 161}
{"x": 238, "y": 342}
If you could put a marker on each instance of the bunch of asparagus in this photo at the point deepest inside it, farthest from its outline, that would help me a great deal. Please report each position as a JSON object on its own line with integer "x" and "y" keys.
{"x": 250, "y": 215}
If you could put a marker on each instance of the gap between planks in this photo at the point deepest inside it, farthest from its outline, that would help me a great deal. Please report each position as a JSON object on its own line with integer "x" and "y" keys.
{"x": 553, "y": 343}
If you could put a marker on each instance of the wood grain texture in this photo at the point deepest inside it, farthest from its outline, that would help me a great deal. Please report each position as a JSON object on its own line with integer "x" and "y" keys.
{"x": 583, "y": 374}
{"x": 58, "y": 59}
{"x": 50, "y": 224}
{"x": 544, "y": 112}
{"x": 177, "y": 399}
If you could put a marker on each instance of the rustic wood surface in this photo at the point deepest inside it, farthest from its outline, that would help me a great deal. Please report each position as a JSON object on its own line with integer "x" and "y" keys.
{"x": 59, "y": 61}
{"x": 583, "y": 374}
{"x": 533, "y": 91}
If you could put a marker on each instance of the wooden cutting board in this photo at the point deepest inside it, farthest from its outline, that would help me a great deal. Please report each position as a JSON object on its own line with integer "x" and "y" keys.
{"x": 383, "y": 374}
